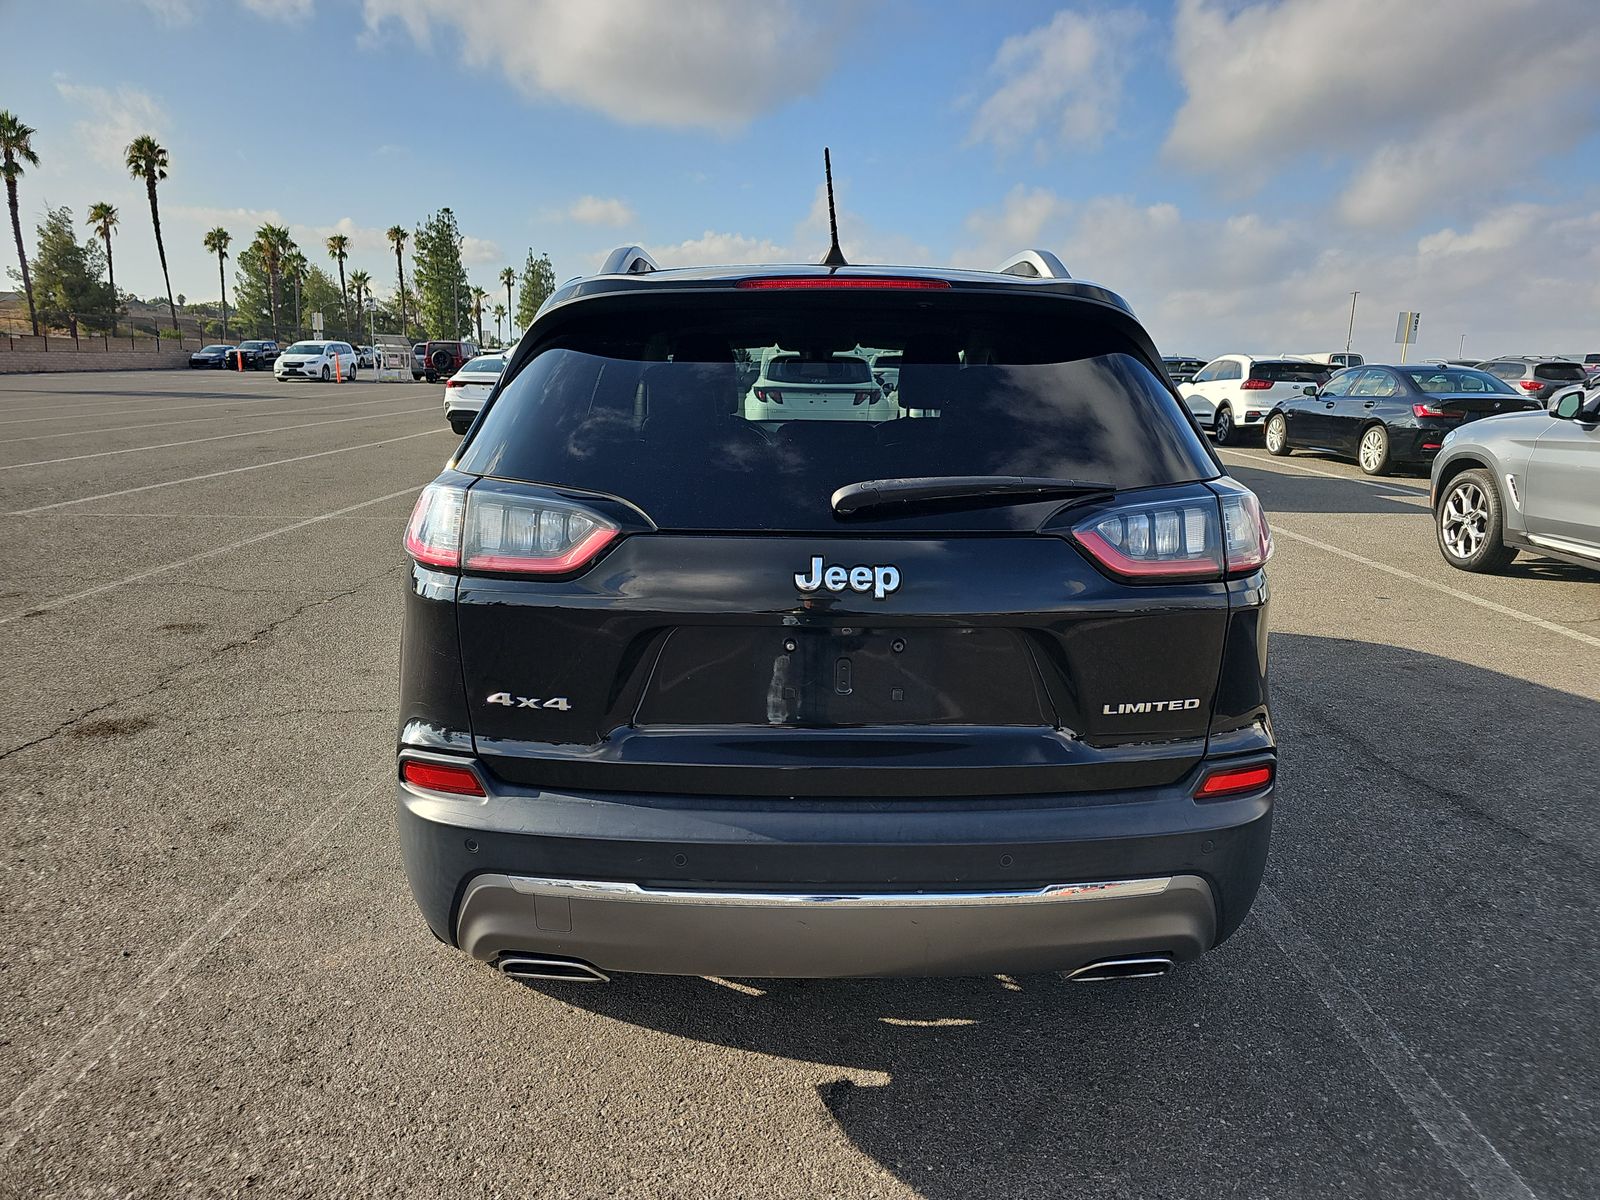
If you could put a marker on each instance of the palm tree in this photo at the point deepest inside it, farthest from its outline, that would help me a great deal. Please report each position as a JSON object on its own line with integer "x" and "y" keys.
{"x": 16, "y": 142}
{"x": 397, "y": 236}
{"x": 499, "y": 315}
{"x": 217, "y": 242}
{"x": 272, "y": 243}
{"x": 478, "y": 297}
{"x": 361, "y": 288}
{"x": 508, "y": 277}
{"x": 103, "y": 219}
{"x": 295, "y": 267}
{"x": 338, "y": 250}
{"x": 147, "y": 160}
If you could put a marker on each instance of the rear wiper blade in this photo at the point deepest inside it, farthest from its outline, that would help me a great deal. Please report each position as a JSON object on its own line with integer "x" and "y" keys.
{"x": 959, "y": 491}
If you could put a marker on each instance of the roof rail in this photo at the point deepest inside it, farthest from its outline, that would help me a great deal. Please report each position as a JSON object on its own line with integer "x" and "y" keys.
{"x": 628, "y": 260}
{"x": 1034, "y": 264}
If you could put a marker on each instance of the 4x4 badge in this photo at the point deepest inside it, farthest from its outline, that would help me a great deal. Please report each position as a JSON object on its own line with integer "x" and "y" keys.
{"x": 879, "y": 580}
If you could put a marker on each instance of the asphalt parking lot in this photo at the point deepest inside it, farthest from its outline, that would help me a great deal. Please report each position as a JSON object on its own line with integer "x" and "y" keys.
{"x": 215, "y": 981}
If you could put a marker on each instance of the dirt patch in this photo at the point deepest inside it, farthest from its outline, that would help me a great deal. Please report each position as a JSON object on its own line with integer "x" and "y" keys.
{"x": 112, "y": 727}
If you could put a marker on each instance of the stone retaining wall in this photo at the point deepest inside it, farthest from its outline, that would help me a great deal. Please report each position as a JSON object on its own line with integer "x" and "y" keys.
{"x": 24, "y": 354}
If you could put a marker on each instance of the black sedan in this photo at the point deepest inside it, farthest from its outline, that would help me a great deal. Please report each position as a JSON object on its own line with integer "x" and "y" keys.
{"x": 1385, "y": 417}
{"x": 212, "y": 356}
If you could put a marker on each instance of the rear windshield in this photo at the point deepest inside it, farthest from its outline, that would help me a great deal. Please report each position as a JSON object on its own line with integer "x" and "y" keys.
{"x": 1291, "y": 372}
{"x": 794, "y": 369}
{"x": 666, "y": 410}
{"x": 490, "y": 364}
{"x": 1565, "y": 372}
{"x": 1445, "y": 380}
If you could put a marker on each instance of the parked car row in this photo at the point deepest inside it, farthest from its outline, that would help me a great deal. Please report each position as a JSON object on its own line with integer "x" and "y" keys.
{"x": 256, "y": 355}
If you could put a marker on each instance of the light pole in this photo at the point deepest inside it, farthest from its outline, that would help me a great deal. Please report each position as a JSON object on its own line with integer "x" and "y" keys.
{"x": 1351, "y": 332}
{"x": 1461, "y": 350}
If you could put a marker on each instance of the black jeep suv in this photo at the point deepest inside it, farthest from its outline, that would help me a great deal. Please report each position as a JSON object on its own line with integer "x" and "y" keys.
{"x": 971, "y": 679}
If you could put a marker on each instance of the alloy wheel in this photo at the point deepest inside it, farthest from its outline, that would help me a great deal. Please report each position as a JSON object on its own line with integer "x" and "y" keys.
{"x": 1372, "y": 449}
{"x": 1464, "y": 520}
{"x": 1275, "y": 434}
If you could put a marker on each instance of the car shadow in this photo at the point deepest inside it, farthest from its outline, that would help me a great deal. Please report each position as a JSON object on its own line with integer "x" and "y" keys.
{"x": 1317, "y": 494}
{"x": 1234, "y": 1075}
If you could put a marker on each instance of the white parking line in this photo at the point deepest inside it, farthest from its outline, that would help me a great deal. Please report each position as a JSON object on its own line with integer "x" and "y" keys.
{"x": 220, "y": 437}
{"x": 1503, "y": 609}
{"x": 294, "y": 412}
{"x": 270, "y": 399}
{"x": 102, "y": 1038}
{"x": 277, "y": 462}
{"x": 1472, "y": 1154}
{"x": 140, "y": 576}
{"x": 1263, "y": 464}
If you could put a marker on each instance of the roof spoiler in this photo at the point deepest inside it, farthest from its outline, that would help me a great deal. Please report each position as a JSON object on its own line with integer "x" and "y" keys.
{"x": 628, "y": 260}
{"x": 1033, "y": 264}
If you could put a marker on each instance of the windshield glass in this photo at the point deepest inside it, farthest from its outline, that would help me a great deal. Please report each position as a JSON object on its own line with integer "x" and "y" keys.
{"x": 306, "y": 348}
{"x": 1437, "y": 380}
{"x": 672, "y": 413}
{"x": 1291, "y": 372}
{"x": 1566, "y": 372}
{"x": 216, "y": 349}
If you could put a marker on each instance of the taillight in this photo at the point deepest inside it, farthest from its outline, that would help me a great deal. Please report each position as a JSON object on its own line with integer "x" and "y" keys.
{"x": 450, "y": 383}
{"x": 867, "y": 397}
{"x": 1256, "y": 385}
{"x": 490, "y": 529}
{"x": 858, "y": 282}
{"x": 434, "y": 535}
{"x": 441, "y": 777}
{"x": 771, "y": 394}
{"x": 1530, "y": 385}
{"x": 1180, "y": 539}
{"x": 1433, "y": 410}
{"x": 1234, "y": 781}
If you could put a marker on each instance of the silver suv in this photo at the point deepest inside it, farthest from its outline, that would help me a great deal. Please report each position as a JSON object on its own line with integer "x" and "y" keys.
{"x": 1522, "y": 481}
{"x": 1540, "y": 377}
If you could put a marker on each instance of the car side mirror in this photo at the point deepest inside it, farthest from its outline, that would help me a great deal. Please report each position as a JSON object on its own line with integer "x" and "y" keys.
{"x": 1310, "y": 389}
{"x": 1569, "y": 406}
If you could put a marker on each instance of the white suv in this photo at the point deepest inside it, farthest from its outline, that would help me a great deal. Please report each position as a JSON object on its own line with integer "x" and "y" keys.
{"x": 1235, "y": 393}
{"x": 318, "y": 360}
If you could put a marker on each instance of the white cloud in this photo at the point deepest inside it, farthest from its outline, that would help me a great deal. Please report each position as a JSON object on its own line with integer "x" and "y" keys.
{"x": 1060, "y": 83}
{"x": 596, "y": 210}
{"x": 1431, "y": 98}
{"x": 715, "y": 64}
{"x": 113, "y": 119}
{"x": 719, "y": 249}
{"x": 1524, "y": 275}
{"x": 280, "y": 10}
{"x": 478, "y": 251}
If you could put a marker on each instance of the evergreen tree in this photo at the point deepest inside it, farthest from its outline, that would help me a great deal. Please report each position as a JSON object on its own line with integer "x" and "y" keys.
{"x": 443, "y": 293}
{"x": 67, "y": 277}
{"x": 538, "y": 281}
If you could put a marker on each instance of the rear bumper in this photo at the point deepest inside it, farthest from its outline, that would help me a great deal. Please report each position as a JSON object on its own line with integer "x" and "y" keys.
{"x": 763, "y": 887}
{"x": 678, "y": 931}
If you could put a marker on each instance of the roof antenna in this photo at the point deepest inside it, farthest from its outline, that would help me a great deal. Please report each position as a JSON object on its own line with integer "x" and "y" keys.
{"x": 835, "y": 256}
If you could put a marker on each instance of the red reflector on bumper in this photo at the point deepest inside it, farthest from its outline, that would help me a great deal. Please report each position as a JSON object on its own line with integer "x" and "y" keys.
{"x": 1233, "y": 780}
{"x": 437, "y": 777}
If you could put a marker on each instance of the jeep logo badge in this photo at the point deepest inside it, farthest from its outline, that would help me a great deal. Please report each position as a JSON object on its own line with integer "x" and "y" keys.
{"x": 879, "y": 580}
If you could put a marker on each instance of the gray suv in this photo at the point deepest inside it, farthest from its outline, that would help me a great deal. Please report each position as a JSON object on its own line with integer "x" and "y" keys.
{"x": 1541, "y": 378}
{"x": 1522, "y": 481}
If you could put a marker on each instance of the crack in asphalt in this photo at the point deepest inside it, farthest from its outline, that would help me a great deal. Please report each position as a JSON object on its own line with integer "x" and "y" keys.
{"x": 181, "y": 669}
{"x": 1326, "y": 718}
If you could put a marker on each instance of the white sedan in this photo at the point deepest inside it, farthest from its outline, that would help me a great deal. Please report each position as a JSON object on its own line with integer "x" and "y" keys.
{"x": 468, "y": 388}
{"x": 317, "y": 360}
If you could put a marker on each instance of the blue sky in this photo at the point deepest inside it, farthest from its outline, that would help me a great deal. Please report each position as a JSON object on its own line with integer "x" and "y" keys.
{"x": 1235, "y": 169}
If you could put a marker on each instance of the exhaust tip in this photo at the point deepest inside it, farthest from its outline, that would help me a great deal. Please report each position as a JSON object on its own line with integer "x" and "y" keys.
{"x": 537, "y": 966}
{"x": 1143, "y": 967}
